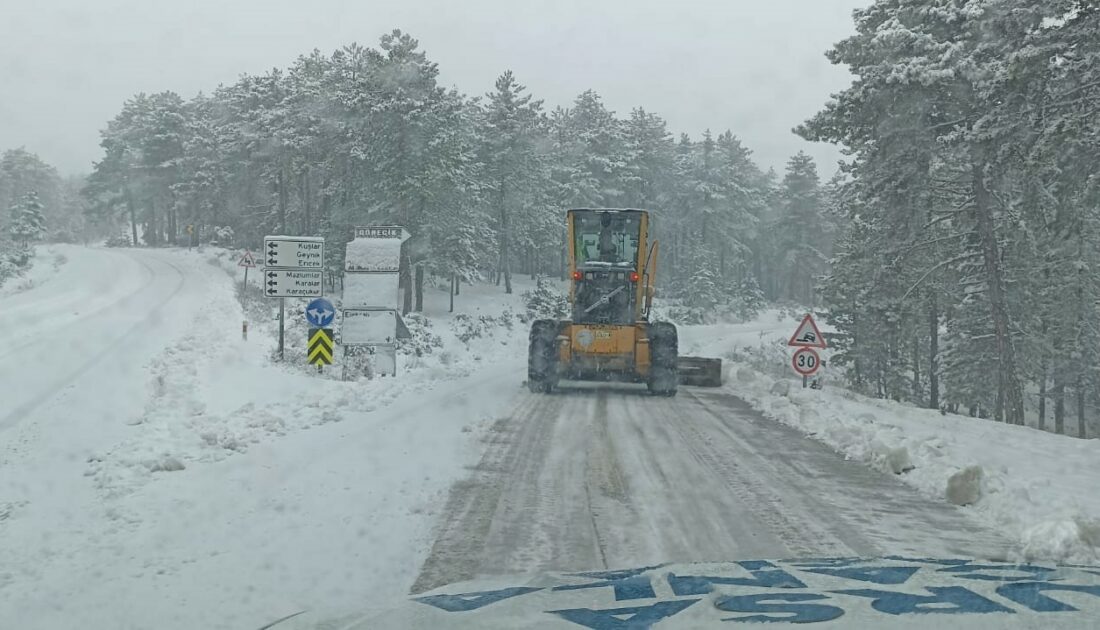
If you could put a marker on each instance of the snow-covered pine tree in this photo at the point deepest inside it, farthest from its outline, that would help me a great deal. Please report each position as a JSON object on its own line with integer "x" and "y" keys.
{"x": 27, "y": 225}
{"x": 512, "y": 127}
{"x": 800, "y": 229}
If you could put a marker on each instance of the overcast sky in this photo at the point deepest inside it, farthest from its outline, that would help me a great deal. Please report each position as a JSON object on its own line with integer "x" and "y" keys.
{"x": 755, "y": 67}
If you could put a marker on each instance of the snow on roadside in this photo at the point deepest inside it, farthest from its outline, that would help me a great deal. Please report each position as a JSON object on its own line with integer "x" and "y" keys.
{"x": 1037, "y": 487}
{"x": 44, "y": 265}
{"x": 229, "y": 490}
{"x": 213, "y": 394}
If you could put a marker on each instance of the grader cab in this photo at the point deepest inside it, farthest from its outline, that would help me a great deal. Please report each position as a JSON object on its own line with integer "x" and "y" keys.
{"x": 609, "y": 336}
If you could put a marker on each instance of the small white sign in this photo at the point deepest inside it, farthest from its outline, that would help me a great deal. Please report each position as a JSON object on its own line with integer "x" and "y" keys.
{"x": 294, "y": 252}
{"x": 371, "y": 290}
{"x": 373, "y": 255}
{"x": 293, "y": 283}
{"x": 382, "y": 231}
{"x": 368, "y": 327}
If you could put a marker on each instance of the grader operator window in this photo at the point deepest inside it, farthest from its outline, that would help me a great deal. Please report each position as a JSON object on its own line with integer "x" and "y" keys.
{"x": 606, "y": 237}
{"x": 607, "y": 258}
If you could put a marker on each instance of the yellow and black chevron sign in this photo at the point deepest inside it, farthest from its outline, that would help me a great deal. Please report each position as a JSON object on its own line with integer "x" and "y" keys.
{"x": 320, "y": 346}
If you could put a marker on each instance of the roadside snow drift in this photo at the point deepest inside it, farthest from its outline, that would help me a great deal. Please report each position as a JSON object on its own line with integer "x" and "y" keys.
{"x": 1038, "y": 487}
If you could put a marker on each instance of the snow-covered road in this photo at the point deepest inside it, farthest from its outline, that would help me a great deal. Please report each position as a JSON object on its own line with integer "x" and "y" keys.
{"x": 595, "y": 479}
{"x": 101, "y": 320}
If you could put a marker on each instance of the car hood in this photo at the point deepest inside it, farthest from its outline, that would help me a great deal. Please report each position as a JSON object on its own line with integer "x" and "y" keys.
{"x": 896, "y": 592}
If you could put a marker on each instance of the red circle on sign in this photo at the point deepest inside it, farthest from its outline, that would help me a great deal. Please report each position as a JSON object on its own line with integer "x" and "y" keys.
{"x": 806, "y": 361}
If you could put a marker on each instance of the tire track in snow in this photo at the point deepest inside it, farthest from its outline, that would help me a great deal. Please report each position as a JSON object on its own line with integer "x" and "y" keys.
{"x": 51, "y": 314}
{"x": 108, "y": 348}
{"x": 512, "y": 451}
{"x": 736, "y": 469}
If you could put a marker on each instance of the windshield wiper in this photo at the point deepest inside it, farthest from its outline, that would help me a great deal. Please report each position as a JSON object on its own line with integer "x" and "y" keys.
{"x": 604, "y": 300}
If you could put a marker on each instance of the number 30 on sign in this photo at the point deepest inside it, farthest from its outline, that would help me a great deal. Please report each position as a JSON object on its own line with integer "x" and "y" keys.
{"x": 806, "y": 362}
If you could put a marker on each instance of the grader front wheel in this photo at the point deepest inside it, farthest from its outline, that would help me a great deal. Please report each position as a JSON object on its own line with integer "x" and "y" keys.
{"x": 542, "y": 356}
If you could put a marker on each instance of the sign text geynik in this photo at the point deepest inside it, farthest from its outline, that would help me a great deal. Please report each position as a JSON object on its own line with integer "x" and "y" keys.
{"x": 287, "y": 252}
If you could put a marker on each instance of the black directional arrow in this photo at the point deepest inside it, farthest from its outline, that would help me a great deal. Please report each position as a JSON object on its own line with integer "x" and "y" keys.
{"x": 272, "y": 261}
{"x": 272, "y": 274}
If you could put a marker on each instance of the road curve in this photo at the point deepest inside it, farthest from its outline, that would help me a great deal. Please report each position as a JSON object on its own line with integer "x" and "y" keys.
{"x": 103, "y": 307}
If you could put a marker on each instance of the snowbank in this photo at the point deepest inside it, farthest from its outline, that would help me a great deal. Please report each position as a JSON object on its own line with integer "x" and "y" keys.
{"x": 44, "y": 265}
{"x": 204, "y": 485}
{"x": 1037, "y": 487}
{"x": 373, "y": 254}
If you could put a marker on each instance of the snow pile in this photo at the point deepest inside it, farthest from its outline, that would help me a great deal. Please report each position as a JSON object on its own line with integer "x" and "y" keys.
{"x": 46, "y": 262}
{"x": 1037, "y": 487}
{"x": 212, "y": 395}
{"x": 373, "y": 254}
{"x": 187, "y": 453}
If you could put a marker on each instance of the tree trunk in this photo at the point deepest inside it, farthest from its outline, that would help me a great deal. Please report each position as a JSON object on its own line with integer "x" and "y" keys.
{"x": 325, "y": 199}
{"x": 151, "y": 234}
{"x": 933, "y": 354}
{"x": 454, "y": 278}
{"x": 281, "y": 183}
{"x": 133, "y": 214}
{"x": 1043, "y": 395}
{"x": 1080, "y": 407}
{"x": 458, "y": 284}
{"x": 1059, "y": 393}
{"x": 307, "y": 204}
{"x": 420, "y": 288}
{"x": 563, "y": 260}
{"x": 505, "y": 243}
{"x": 918, "y": 389}
{"x": 857, "y": 363}
{"x": 1009, "y": 392}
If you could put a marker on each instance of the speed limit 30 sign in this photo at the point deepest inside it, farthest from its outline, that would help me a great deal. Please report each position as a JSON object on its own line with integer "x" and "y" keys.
{"x": 806, "y": 362}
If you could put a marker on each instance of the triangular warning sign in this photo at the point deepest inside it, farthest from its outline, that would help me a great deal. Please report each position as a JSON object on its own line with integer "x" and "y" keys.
{"x": 807, "y": 335}
{"x": 247, "y": 260}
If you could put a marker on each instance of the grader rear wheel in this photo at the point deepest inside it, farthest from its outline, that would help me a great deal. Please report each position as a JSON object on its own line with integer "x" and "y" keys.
{"x": 663, "y": 353}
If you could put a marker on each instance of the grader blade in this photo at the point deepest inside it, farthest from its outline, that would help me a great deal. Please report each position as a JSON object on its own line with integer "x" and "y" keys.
{"x": 700, "y": 371}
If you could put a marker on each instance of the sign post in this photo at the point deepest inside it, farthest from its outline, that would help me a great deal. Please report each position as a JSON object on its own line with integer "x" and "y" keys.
{"x": 807, "y": 338}
{"x": 370, "y": 322}
{"x": 293, "y": 267}
{"x": 248, "y": 262}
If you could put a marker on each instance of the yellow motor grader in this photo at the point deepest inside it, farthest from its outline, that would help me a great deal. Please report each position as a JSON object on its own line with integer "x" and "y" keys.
{"x": 609, "y": 336}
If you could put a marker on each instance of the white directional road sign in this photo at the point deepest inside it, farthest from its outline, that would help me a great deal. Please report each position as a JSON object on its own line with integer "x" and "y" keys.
{"x": 293, "y": 283}
{"x": 293, "y": 252}
{"x": 368, "y": 327}
{"x": 382, "y": 231}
